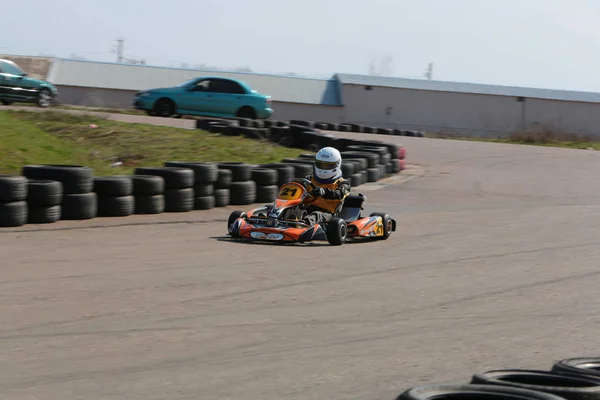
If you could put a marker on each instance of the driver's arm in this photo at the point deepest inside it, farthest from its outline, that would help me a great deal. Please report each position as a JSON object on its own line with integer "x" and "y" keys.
{"x": 340, "y": 192}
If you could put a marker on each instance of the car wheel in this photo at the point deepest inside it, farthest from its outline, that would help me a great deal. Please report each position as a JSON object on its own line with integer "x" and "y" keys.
{"x": 44, "y": 98}
{"x": 246, "y": 112}
{"x": 337, "y": 231}
{"x": 164, "y": 108}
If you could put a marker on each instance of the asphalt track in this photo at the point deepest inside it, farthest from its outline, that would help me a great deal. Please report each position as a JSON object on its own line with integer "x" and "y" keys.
{"x": 494, "y": 265}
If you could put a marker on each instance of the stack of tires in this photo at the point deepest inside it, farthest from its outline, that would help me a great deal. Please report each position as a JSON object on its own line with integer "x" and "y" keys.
{"x": 266, "y": 184}
{"x": 13, "y": 205}
{"x": 205, "y": 177}
{"x": 179, "y": 186}
{"x": 223, "y": 187}
{"x": 43, "y": 201}
{"x": 285, "y": 172}
{"x": 372, "y": 172}
{"x": 79, "y": 202}
{"x": 148, "y": 191}
{"x": 242, "y": 189}
{"x": 115, "y": 196}
{"x": 384, "y": 157}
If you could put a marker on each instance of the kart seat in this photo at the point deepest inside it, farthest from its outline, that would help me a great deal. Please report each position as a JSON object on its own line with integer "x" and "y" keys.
{"x": 351, "y": 207}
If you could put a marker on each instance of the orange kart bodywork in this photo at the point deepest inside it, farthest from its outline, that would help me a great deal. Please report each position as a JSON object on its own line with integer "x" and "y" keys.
{"x": 281, "y": 221}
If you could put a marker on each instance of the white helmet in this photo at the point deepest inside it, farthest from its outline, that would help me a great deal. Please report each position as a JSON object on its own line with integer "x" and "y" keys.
{"x": 327, "y": 165}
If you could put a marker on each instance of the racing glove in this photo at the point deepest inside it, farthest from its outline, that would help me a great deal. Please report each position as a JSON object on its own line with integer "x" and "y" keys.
{"x": 318, "y": 192}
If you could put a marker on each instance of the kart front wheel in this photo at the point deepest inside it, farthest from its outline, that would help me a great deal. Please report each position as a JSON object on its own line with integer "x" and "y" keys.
{"x": 232, "y": 217}
{"x": 337, "y": 231}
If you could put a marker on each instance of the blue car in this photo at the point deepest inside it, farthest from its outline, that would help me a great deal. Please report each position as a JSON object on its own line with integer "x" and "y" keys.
{"x": 205, "y": 96}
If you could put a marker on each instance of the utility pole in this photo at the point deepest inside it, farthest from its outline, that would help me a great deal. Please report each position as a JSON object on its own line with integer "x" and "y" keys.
{"x": 120, "y": 50}
{"x": 429, "y": 73}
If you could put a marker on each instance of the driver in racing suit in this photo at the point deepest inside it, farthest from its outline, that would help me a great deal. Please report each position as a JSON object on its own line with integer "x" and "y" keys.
{"x": 331, "y": 189}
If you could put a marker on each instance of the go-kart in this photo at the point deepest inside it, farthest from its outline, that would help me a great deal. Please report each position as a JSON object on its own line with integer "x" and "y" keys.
{"x": 282, "y": 221}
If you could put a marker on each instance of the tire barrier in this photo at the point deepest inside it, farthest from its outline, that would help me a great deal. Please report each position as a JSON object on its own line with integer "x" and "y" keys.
{"x": 49, "y": 193}
{"x": 568, "y": 379}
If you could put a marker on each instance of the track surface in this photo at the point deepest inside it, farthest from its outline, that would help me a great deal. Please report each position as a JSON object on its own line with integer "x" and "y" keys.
{"x": 494, "y": 265}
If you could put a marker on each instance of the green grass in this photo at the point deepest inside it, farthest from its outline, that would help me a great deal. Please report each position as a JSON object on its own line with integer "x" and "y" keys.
{"x": 59, "y": 138}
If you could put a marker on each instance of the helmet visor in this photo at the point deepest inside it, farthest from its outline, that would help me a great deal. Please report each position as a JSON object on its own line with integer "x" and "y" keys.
{"x": 325, "y": 164}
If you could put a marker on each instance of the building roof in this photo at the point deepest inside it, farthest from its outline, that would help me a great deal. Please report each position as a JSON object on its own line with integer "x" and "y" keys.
{"x": 474, "y": 88}
{"x": 107, "y": 75}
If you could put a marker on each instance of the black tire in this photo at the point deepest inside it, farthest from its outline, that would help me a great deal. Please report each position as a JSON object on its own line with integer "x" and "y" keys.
{"x": 175, "y": 177}
{"x": 364, "y": 176}
{"x": 373, "y": 174}
{"x": 13, "y": 214}
{"x": 348, "y": 169}
{"x": 44, "y": 98}
{"x": 44, "y": 193}
{"x": 179, "y": 200}
{"x": 148, "y": 185}
{"x": 43, "y": 214}
{"x": 232, "y": 217}
{"x": 204, "y": 203}
{"x": 386, "y": 158}
{"x": 389, "y": 168}
{"x": 371, "y": 158}
{"x": 570, "y": 387}
{"x": 589, "y": 366}
{"x": 240, "y": 171}
{"x": 113, "y": 186}
{"x": 203, "y": 190}
{"x": 285, "y": 172}
{"x": 381, "y": 150}
{"x": 150, "y": 204}
{"x": 356, "y": 180}
{"x": 264, "y": 176}
{"x": 246, "y": 112}
{"x": 222, "y": 197}
{"x": 75, "y": 179}
{"x": 164, "y": 108}
{"x": 382, "y": 171}
{"x": 204, "y": 172}
{"x": 13, "y": 188}
{"x": 301, "y": 170}
{"x": 336, "y": 231}
{"x": 242, "y": 193}
{"x": 388, "y": 224}
{"x": 481, "y": 392}
{"x": 119, "y": 206}
{"x": 361, "y": 163}
{"x": 396, "y": 166}
{"x": 224, "y": 179}
{"x": 79, "y": 206}
{"x": 266, "y": 194}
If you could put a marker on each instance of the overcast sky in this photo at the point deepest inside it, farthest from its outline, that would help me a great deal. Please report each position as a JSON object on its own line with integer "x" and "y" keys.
{"x": 534, "y": 43}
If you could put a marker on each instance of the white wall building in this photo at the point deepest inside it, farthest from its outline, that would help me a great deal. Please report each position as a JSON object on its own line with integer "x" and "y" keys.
{"x": 481, "y": 110}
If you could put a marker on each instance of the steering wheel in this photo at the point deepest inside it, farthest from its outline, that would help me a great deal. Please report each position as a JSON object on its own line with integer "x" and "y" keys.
{"x": 305, "y": 183}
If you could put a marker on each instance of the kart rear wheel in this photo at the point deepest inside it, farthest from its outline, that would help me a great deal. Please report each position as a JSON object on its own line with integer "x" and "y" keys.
{"x": 337, "y": 231}
{"x": 232, "y": 217}
{"x": 388, "y": 224}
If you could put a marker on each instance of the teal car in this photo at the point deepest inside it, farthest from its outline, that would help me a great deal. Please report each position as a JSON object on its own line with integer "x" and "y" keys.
{"x": 16, "y": 87}
{"x": 205, "y": 96}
